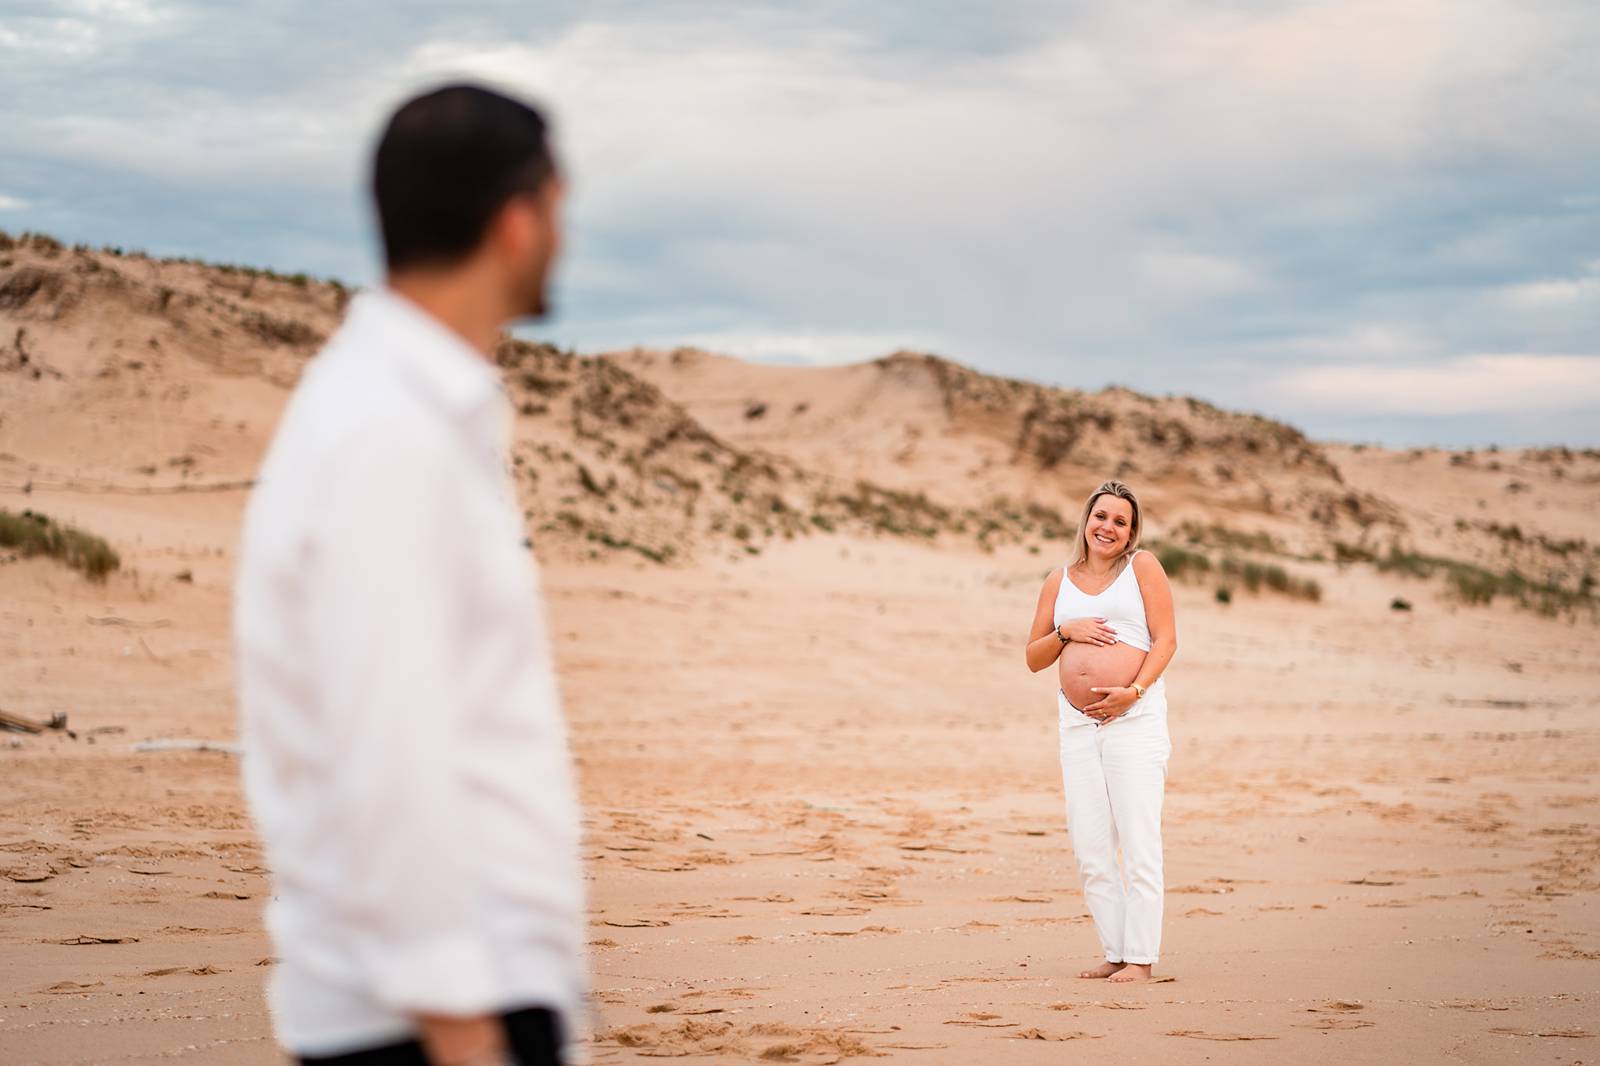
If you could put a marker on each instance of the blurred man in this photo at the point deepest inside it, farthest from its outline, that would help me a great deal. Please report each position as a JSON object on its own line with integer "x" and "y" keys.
{"x": 406, "y": 758}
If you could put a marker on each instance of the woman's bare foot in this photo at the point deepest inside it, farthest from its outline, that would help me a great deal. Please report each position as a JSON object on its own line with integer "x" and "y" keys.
{"x": 1105, "y": 969}
{"x": 1130, "y": 972}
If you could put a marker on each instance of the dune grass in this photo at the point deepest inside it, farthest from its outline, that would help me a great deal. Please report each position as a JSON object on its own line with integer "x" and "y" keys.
{"x": 1188, "y": 564}
{"x": 1475, "y": 585}
{"x": 1478, "y": 586}
{"x": 34, "y": 534}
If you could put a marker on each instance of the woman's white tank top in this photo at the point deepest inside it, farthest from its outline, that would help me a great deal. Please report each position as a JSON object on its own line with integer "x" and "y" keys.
{"x": 1121, "y": 605}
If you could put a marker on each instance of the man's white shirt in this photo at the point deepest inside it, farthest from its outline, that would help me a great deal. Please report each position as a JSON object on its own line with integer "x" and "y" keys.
{"x": 405, "y": 753}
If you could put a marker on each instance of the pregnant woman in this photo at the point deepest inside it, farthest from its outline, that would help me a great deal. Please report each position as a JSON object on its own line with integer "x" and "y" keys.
{"x": 1105, "y": 620}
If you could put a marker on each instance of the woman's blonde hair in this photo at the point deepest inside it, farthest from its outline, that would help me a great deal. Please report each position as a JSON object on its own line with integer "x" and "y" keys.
{"x": 1080, "y": 547}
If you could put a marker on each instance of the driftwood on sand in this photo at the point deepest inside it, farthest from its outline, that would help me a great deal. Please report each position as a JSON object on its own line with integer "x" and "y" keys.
{"x": 16, "y": 723}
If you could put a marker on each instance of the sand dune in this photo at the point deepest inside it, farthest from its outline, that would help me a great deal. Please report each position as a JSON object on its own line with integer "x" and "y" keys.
{"x": 823, "y": 810}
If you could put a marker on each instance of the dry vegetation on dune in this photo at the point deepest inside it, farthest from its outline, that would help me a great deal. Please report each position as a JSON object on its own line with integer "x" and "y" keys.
{"x": 1251, "y": 505}
{"x": 606, "y": 458}
{"x": 30, "y": 533}
{"x": 1241, "y": 458}
{"x": 604, "y": 461}
{"x": 140, "y": 312}
{"x": 972, "y": 441}
{"x": 666, "y": 456}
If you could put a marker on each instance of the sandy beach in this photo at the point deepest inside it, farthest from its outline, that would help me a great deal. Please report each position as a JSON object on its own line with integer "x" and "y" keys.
{"x": 823, "y": 807}
{"x": 825, "y": 815}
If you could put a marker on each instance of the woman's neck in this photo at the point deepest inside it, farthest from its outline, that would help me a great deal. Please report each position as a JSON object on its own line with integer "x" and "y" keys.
{"x": 1093, "y": 566}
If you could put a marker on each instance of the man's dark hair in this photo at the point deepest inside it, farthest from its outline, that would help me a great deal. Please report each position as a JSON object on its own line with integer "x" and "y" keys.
{"x": 447, "y": 162}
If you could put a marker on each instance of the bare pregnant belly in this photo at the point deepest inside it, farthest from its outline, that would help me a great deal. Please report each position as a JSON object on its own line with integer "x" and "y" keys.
{"x": 1086, "y": 666}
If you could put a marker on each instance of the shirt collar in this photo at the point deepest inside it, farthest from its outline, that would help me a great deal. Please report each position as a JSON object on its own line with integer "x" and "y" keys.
{"x": 449, "y": 370}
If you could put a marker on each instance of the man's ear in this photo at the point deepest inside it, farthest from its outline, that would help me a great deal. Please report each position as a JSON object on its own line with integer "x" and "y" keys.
{"x": 547, "y": 206}
{"x": 514, "y": 228}
{"x": 529, "y": 220}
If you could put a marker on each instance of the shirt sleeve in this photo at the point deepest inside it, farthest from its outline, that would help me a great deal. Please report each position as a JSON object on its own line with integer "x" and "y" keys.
{"x": 386, "y": 606}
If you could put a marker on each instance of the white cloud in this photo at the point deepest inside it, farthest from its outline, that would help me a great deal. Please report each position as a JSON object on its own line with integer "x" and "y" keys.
{"x": 1473, "y": 384}
{"x": 1554, "y": 293}
{"x": 135, "y": 11}
{"x": 1133, "y": 192}
{"x": 11, "y": 203}
{"x": 1362, "y": 343}
{"x": 1012, "y": 182}
{"x": 77, "y": 29}
{"x": 1187, "y": 275}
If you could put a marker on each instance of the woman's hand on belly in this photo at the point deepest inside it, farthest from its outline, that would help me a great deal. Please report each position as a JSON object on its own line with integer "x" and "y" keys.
{"x": 1113, "y": 703}
{"x": 1083, "y": 668}
{"x": 1088, "y": 631}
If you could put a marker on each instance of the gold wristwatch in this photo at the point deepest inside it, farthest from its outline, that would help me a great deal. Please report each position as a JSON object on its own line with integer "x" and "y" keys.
{"x": 1140, "y": 689}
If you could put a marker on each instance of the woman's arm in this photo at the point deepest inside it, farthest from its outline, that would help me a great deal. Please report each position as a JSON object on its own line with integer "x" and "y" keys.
{"x": 1044, "y": 647}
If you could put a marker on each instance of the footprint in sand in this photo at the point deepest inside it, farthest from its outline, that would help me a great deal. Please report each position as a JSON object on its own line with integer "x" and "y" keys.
{"x": 783, "y": 1043}
{"x": 1573, "y": 1033}
{"x": 835, "y": 912}
{"x": 1475, "y": 1005}
{"x": 673, "y": 1008}
{"x": 168, "y": 971}
{"x": 1201, "y": 1034}
{"x": 703, "y": 910}
{"x": 735, "y": 992}
{"x": 1040, "y": 1034}
{"x": 79, "y": 940}
{"x": 66, "y": 987}
{"x": 1109, "y": 1005}
{"x": 943, "y": 982}
{"x": 982, "y": 1020}
{"x": 662, "y": 868}
{"x": 1336, "y": 1022}
{"x": 1567, "y": 951}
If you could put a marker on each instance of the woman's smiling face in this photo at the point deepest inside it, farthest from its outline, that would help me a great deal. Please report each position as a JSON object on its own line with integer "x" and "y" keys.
{"x": 1109, "y": 526}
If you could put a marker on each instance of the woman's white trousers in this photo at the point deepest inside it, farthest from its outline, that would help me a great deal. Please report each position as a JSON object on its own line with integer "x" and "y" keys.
{"x": 1115, "y": 776}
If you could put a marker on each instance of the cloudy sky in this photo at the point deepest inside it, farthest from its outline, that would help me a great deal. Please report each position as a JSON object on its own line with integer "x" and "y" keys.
{"x": 1377, "y": 219}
